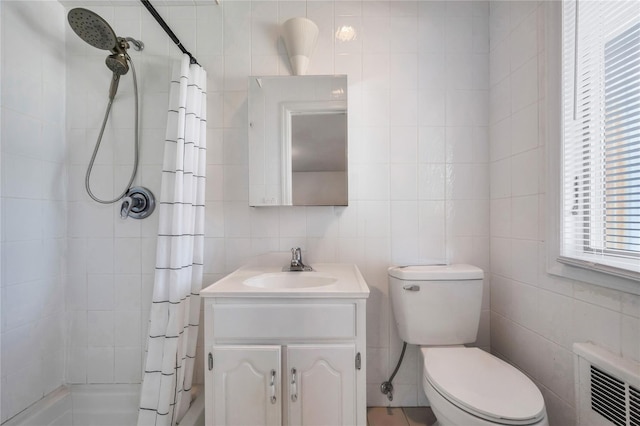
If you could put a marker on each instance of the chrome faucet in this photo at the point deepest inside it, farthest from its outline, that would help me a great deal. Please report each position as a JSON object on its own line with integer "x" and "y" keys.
{"x": 296, "y": 261}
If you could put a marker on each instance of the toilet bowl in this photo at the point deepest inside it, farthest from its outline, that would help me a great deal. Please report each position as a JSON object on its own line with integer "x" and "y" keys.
{"x": 467, "y": 386}
{"x": 438, "y": 308}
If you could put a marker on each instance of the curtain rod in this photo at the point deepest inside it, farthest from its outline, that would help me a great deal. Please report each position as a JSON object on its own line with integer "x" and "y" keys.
{"x": 166, "y": 28}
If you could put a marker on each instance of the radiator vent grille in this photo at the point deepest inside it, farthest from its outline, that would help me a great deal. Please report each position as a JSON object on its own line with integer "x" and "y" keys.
{"x": 609, "y": 399}
{"x": 634, "y": 409}
{"x": 608, "y": 396}
{"x": 607, "y": 387}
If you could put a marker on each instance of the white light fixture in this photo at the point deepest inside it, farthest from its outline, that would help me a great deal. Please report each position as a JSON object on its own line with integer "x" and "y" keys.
{"x": 346, "y": 33}
{"x": 300, "y": 36}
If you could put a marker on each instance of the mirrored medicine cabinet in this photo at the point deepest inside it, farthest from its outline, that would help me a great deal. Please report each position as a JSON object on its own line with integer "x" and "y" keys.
{"x": 298, "y": 141}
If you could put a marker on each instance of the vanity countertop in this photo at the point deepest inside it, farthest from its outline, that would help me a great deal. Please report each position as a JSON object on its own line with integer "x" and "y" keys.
{"x": 337, "y": 280}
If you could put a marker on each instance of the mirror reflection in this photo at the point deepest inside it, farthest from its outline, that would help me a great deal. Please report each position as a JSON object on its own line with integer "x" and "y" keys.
{"x": 298, "y": 141}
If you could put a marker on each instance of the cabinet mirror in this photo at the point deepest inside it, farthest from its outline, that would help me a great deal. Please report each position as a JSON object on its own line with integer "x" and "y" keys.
{"x": 298, "y": 141}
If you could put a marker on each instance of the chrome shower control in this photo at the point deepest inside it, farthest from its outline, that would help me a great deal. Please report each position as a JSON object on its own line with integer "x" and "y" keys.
{"x": 138, "y": 203}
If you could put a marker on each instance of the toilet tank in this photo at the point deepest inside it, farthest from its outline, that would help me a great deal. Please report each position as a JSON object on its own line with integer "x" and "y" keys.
{"x": 436, "y": 304}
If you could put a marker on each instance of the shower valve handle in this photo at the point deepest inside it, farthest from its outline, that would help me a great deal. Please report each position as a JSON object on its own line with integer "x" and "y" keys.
{"x": 138, "y": 203}
{"x": 125, "y": 208}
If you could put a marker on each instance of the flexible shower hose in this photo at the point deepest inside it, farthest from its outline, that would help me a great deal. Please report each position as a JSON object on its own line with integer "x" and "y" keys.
{"x": 87, "y": 178}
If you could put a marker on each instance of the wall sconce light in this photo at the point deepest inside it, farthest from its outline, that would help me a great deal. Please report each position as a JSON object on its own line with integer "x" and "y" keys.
{"x": 300, "y": 36}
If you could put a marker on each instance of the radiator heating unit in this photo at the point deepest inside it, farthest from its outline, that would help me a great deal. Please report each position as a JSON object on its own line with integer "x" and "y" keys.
{"x": 607, "y": 387}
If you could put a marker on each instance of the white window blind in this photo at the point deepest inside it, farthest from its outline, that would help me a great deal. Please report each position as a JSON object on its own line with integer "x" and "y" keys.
{"x": 601, "y": 136}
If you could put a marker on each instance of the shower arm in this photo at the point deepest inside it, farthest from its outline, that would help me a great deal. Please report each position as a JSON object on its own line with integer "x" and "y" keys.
{"x": 137, "y": 44}
{"x": 166, "y": 29}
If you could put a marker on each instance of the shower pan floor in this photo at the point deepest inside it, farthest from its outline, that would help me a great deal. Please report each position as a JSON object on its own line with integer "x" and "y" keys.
{"x": 95, "y": 405}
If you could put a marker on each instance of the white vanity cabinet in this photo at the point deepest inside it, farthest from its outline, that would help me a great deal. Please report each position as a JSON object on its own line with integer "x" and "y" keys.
{"x": 275, "y": 385}
{"x": 246, "y": 385}
{"x": 321, "y": 384}
{"x": 289, "y": 351}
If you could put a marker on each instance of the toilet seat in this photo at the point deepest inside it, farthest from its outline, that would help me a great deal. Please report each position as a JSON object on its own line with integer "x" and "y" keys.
{"x": 483, "y": 385}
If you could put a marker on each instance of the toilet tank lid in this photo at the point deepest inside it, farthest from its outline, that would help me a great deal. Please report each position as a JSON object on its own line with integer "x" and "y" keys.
{"x": 436, "y": 272}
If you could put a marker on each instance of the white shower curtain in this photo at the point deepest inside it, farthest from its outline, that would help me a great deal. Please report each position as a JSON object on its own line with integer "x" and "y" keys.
{"x": 175, "y": 311}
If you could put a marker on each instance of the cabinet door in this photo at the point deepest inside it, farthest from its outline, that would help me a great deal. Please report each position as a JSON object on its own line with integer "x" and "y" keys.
{"x": 246, "y": 385}
{"x": 321, "y": 385}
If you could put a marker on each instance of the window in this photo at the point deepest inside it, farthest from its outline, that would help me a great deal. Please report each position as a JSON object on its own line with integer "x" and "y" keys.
{"x": 600, "y": 218}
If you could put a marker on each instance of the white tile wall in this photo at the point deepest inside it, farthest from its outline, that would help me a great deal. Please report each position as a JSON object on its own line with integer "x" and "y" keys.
{"x": 33, "y": 202}
{"x": 415, "y": 111}
{"x": 536, "y": 317}
{"x": 110, "y": 262}
{"x": 419, "y": 145}
{"x": 414, "y": 106}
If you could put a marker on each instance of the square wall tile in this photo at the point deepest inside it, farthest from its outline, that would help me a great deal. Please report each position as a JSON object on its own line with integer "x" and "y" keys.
{"x": 127, "y": 292}
{"x": 525, "y": 173}
{"x": 595, "y": 324}
{"x": 100, "y": 256}
{"x": 127, "y": 365}
{"x": 127, "y": 328}
{"x": 403, "y": 144}
{"x": 524, "y": 217}
{"x": 100, "y": 329}
{"x": 100, "y": 292}
{"x": 404, "y": 181}
{"x": 77, "y": 365}
{"x": 100, "y": 365}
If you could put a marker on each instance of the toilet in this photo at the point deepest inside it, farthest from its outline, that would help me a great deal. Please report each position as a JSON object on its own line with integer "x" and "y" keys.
{"x": 438, "y": 308}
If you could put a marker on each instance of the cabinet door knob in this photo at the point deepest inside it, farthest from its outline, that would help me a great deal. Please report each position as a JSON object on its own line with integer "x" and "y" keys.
{"x": 294, "y": 386}
{"x": 273, "y": 386}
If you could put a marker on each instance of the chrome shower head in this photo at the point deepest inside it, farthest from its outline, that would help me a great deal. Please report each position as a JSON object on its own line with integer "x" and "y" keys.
{"x": 92, "y": 28}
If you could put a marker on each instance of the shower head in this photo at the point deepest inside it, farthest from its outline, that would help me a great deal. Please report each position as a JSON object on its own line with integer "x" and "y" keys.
{"x": 96, "y": 31}
{"x": 117, "y": 63}
{"x": 92, "y": 28}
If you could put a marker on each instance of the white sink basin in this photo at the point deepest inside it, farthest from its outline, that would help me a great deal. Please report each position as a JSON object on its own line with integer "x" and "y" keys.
{"x": 263, "y": 277}
{"x": 291, "y": 280}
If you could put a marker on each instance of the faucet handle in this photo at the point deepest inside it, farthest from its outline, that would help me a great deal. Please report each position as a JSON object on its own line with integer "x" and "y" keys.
{"x": 296, "y": 261}
{"x": 296, "y": 254}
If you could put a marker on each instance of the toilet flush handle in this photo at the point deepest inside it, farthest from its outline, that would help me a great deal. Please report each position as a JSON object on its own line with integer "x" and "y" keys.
{"x": 411, "y": 287}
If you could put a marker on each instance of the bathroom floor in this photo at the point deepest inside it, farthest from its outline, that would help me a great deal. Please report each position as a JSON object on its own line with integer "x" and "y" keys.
{"x": 400, "y": 416}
